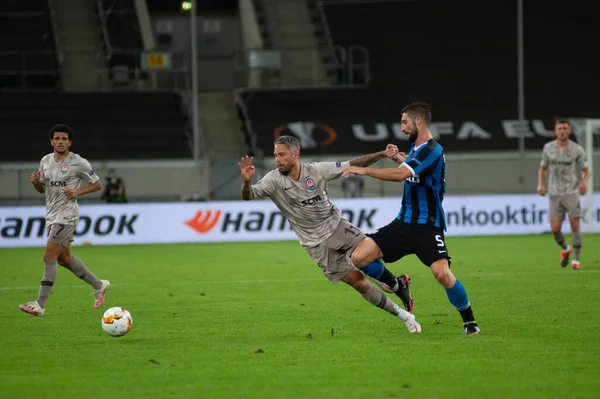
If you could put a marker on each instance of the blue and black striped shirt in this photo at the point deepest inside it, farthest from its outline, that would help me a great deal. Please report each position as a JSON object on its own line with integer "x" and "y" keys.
{"x": 424, "y": 190}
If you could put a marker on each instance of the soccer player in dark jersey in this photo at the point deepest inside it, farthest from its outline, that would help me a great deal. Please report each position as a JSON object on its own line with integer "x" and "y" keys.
{"x": 420, "y": 224}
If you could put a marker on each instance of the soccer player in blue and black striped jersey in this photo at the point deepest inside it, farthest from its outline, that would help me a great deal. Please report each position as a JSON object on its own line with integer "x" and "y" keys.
{"x": 420, "y": 224}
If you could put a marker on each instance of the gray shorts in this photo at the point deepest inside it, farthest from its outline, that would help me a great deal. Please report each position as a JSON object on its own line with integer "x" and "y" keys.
{"x": 332, "y": 255}
{"x": 61, "y": 234}
{"x": 564, "y": 204}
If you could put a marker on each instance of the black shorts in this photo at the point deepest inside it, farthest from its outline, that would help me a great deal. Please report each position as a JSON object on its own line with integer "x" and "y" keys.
{"x": 397, "y": 239}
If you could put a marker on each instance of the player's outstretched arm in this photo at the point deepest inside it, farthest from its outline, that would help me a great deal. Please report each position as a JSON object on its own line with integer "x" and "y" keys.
{"x": 391, "y": 152}
{"x": 368, "y": 159}
{"x": 34, "y": 178}
{"x": 388, "y": 174}
{"x": 247, "y": 171}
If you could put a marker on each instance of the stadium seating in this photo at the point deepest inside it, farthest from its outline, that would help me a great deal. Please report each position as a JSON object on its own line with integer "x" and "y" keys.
{"x": 116, "y": 126}
{"x": 415, "y": 43}
{"x": 561, "y": 67}
{"x": 465, "y": 52}
{"x": 28, "y": 58}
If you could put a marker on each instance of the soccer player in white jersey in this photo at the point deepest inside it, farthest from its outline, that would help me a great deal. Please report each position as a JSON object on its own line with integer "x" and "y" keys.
{"x": 299, "y": 190}
{"x": 63, "y": 176}
{"x": 562, "y": 159}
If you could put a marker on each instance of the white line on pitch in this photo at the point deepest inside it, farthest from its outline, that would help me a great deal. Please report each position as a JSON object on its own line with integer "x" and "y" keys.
{"x": 300, "y": 280}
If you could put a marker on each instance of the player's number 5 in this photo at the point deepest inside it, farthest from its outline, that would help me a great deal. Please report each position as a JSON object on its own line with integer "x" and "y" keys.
{"x": 440, "y": 241}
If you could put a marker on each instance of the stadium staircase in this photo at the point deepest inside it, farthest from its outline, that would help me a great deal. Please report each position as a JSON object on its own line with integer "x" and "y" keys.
{"x": 295, "y": 33}
{"x": 220, "y": 125}
{"x": 80, "y": 44}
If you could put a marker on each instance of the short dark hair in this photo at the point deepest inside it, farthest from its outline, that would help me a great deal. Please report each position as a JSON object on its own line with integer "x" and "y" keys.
{"x": 61, "y": 128}
{"x": 289, "y": 141}
{"x": 559, "y": 121}
{"x": 418, "y": 109}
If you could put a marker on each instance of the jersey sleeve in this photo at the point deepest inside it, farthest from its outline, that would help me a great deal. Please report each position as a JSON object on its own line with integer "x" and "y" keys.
{"x": 545, "y": 160}
{"x": 86, "y": 173}
{"x": 330, "y": 170}
{"x": 425, "y": 158}
{"x": 265, "y": 187}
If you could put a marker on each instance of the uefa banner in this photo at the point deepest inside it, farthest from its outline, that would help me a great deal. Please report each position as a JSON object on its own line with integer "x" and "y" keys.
{"x": 260, "y": 220}
{"x": 350, "y": 121}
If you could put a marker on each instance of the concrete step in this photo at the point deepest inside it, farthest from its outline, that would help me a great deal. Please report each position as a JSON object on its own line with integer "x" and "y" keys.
{"x": 298, "y": 41}
{"x": 80, "y": 43}
{"x": 78, "y": 34}
{"x": 297, "y": 29}
{"x": 290, "y": 6}
{"x": 220, "y": 124}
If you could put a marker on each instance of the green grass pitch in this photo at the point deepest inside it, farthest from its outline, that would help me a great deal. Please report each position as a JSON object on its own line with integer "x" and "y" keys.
{"x": 258, "y": 320}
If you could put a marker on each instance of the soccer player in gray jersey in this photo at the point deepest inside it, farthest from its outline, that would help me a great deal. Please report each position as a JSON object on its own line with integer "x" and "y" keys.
{"x": 299, "y": 190}
{"x": 63, "y": 176}
{"x": 562, "y": 159}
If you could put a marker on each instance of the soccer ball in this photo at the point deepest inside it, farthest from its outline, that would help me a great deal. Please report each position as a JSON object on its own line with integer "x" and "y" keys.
{"x": 116, "y": 321}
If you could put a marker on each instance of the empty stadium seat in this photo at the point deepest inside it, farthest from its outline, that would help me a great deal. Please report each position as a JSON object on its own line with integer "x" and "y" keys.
{"x": 28, "y": 56}
{"x": 117, "y": 126}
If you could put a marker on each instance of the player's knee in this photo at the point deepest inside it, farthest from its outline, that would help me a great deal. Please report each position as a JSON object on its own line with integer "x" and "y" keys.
{"x": 50, "y": 256}
{"x": 65, "y": 260}
{"x": 441, "y": 272}
{"x": 363, "y": 254}
{"x": 575, "y": 225}
{"x": 358, "y": 258}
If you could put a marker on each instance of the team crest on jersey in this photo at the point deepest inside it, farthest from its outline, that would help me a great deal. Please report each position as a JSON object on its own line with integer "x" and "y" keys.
{"x": 338, "y": 164}
{"x": 310, "y": 183}
{"x": 64, "y": 168}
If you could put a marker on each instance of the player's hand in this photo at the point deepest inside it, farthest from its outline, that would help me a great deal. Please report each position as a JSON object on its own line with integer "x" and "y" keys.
{"x": 246, "y": 168}
{"x": 541, "y": 190}
{"x": 582, "y": 188}
{"x": 399, "y": 157}
{"x": 35, "y": 177}
{"x": 390, "y": 151}
{"x": 71, "y": 193}
{"x": 356, "y": 170}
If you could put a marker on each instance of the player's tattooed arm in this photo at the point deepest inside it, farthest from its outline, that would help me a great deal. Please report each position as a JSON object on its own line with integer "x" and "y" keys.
{"x": 391, "y": 151}
{"x": 247, "y": 193}
{"x": 368, "y": 159}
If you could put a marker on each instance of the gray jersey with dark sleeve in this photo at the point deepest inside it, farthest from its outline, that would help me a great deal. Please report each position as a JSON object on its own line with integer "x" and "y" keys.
{"x": 563, "y": 165}
{"x": 71, "y": 172}
{"x": 304, "y": 202}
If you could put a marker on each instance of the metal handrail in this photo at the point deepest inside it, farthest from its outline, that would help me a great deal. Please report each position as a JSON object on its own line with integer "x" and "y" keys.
{"x": 59, "y": 54}
{"x": 103, "y": 19}
{"x": 271, "y": 22}
{"x": 326, "y": 31}
{"x": 365, "y": 65}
